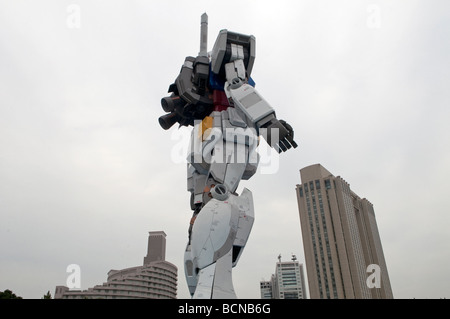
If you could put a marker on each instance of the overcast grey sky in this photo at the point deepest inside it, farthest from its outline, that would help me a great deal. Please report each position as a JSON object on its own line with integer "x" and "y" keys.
{"x": 86, "y": 171}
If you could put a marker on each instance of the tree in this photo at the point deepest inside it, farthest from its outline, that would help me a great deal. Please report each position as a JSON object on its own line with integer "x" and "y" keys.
{"x": 8, "y": 294}
{"x": 48, "y": 295}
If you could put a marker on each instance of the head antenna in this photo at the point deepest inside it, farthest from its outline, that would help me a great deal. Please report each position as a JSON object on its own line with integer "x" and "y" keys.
{"x": 204, "y": 35}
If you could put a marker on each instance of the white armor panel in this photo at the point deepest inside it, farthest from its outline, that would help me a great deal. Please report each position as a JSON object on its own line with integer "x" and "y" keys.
{"x": 219, "y": 235}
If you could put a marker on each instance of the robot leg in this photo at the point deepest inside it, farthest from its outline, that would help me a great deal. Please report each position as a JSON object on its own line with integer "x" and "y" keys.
{"x": 223, "y": 225}
{"x": 219, "y": 235}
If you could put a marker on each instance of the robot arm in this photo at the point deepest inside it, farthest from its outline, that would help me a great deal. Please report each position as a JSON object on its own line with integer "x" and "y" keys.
{"x": 190, "y": 99}
{"x": 257, "y": 110}
{"x": 277, "y": 133}
{"x": 233, "y": 57}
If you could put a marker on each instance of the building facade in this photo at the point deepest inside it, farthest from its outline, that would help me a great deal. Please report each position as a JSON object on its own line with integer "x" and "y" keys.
{"x": 266, "y": 289}
{"x": 288, "y": 282}
{"x": 340, "y": 239}
{"x": 156, "y": 279}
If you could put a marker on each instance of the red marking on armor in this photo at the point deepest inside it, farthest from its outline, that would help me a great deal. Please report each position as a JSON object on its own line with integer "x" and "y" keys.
{"x": 220, "y": 101}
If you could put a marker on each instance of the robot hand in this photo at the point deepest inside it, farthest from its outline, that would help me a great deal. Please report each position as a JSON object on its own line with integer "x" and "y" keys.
{"x": 279, "y": 135}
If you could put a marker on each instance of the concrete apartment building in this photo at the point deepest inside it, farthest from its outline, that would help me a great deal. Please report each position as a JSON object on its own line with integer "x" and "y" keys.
{"x": 340, "y": 238}
{"x": 156, "y": 279}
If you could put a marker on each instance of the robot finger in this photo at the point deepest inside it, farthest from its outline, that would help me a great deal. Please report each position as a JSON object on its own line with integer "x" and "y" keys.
{"x": 277, "y": 148}
{"x": 291, "y": 141}
{"x": 287, "y": 144}
{"x": 282, "y": 146}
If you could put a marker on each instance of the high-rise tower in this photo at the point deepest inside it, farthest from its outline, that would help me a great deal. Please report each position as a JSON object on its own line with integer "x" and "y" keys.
{"x": 156, "y": 249}
{"x": 340, "y": 238}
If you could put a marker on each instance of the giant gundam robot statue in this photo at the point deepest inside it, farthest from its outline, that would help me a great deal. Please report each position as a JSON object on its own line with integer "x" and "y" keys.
{"x": 215, "y": 94}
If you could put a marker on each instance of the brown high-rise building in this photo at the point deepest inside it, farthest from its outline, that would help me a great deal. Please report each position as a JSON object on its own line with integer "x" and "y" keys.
{"x": 343, "y": 252}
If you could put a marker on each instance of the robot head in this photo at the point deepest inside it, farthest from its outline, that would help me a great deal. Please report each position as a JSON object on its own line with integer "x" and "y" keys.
{"x": 231, "y": 46}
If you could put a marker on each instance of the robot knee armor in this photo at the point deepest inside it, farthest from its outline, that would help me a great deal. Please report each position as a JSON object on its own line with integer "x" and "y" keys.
{"x": 220, "y": 192}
